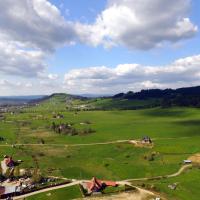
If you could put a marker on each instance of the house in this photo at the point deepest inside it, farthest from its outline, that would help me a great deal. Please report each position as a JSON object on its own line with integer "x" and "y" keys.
{"x": 7, "y": 164}
{"x": 146, "y": 139}
{"x": 6, "y": 191}
{"x": 2, "y": 190}
{"x": 187, "y": 162}
{"x": 97, "y": 186}
{"x": 58, "y": 116}
{"x": 9, "y": 161}
{"x": 172, "y": 186}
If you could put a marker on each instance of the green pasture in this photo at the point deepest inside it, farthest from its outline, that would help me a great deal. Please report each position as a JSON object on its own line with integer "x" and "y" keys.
{"x": 175, "y": 133}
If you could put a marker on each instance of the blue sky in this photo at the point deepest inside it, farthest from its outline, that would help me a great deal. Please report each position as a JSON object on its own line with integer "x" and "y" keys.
{"x": 79, "y": 56}
{"x": 103, "y": 47}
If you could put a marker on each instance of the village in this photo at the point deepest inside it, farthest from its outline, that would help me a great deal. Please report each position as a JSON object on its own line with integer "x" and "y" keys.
{"x": 17, "y": 181}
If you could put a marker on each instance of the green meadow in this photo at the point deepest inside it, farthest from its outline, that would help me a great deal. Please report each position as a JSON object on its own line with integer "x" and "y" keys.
{"x": 174, "y": 131}
{"x": 65, "y": 193}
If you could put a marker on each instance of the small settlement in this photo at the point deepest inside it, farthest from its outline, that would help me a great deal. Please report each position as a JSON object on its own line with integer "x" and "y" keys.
{"x": 15, "y": 181}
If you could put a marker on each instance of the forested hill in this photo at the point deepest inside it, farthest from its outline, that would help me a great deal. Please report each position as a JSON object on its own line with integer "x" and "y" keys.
{"x": 189, "y": 96}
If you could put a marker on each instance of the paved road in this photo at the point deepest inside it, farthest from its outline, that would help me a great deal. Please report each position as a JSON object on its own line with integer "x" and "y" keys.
{"x": 127, "y": 182}
{"x": 47, "y": 190}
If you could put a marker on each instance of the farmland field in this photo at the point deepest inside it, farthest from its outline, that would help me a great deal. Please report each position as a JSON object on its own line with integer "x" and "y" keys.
{"x": 174, "y": 131}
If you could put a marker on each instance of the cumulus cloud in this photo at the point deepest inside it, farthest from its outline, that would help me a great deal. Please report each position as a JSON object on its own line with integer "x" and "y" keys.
{"x": 124, "y": 77}
{"x": 35, "y": 23}
{"x": 30, "y": 30}
{"x": 15, "y": 61}
{"x": 139, "y": 24}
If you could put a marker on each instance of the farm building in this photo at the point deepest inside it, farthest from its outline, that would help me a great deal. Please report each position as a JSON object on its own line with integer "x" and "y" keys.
{"x": 97, "y": 186}
{"x": 58, "y": 116}
{"x": 187, "y": 161}
{"x": 7, "y": 164}
{"x": 9, "y": 190}
{"x": 146, "y": 139}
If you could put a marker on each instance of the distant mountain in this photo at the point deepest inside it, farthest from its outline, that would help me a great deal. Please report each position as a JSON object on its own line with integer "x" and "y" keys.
{"x": 19, "y": 100}
{"x": 95, "y": 95}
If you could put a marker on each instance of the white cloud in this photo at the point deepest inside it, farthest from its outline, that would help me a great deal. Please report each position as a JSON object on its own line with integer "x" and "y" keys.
{"x": 30, "y": 30}
{"x": 15, "y": 61}
{"x": 35, "y": 24}
{"x": 139, "y": 24}
{"x": 182, "y": 72}
{"x": 52, "y": 76}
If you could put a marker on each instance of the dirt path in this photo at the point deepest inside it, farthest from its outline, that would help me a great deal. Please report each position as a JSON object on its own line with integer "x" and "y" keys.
{"x": 179, "y": 172}
{"x": 67, "y": 145}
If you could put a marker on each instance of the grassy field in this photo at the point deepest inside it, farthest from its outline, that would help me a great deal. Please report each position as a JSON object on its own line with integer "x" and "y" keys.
{"x": 175, "y": 133}
{"x": 66, "y": 193}
{"x": 188, "y": 186}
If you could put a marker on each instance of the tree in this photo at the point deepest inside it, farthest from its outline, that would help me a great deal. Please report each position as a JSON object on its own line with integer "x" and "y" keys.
{"x": 36, "y": 176}
{"x": 16, "y": 172}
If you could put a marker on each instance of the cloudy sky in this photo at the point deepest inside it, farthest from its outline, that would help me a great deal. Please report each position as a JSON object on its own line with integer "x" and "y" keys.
{"x": 98, "y": 47}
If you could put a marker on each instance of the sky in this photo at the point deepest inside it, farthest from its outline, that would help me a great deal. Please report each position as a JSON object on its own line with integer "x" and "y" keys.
{"x": 98, "y": 47}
